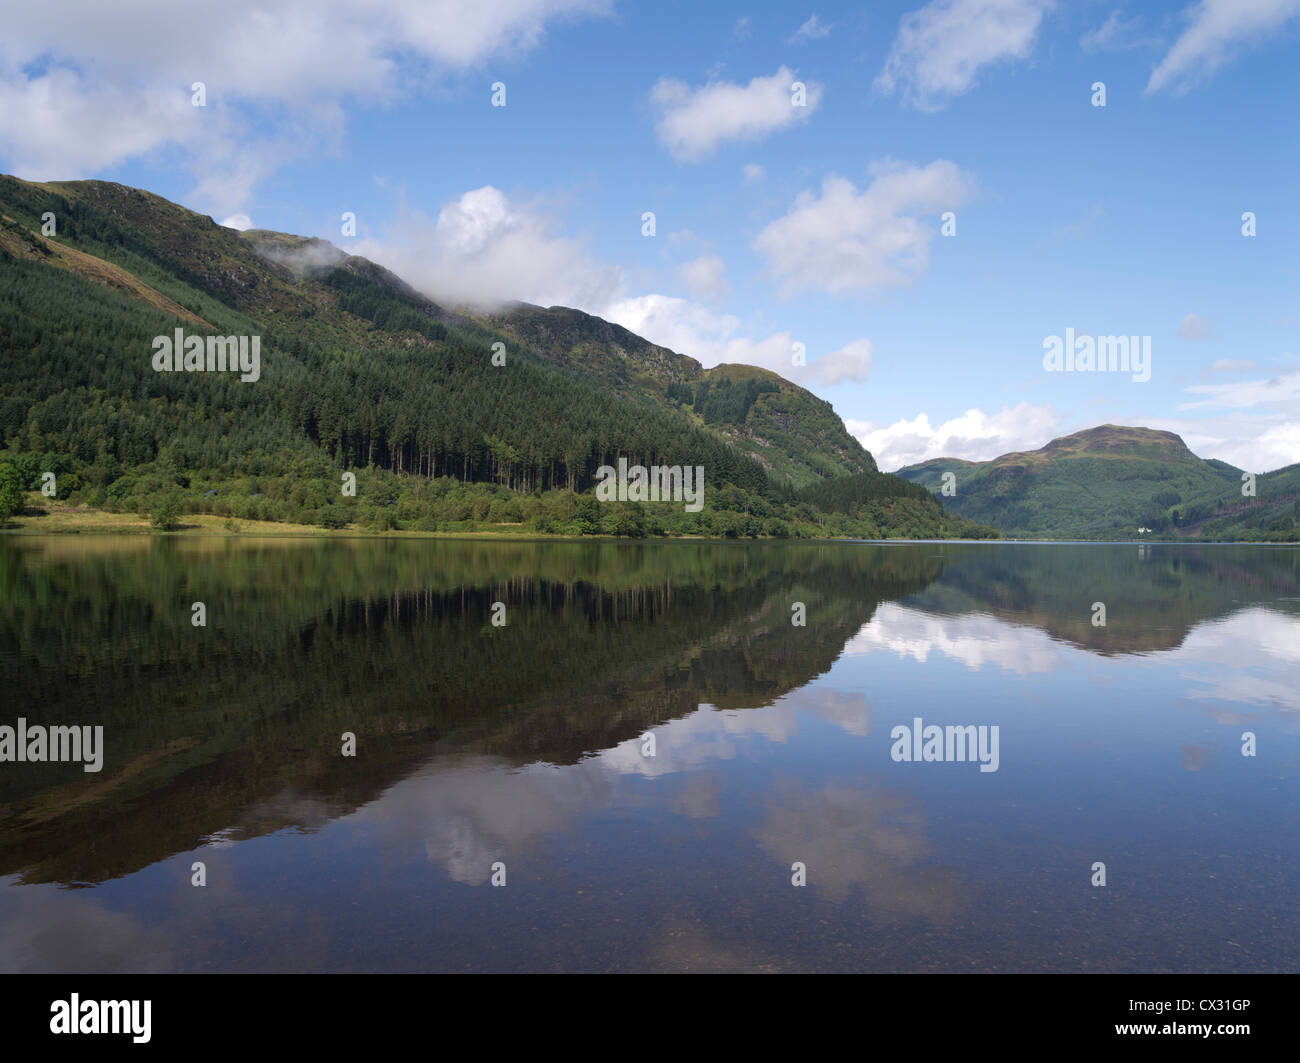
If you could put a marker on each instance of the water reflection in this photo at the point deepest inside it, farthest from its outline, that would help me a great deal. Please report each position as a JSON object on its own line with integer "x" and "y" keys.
{"x": 864, "y": 840}
{"x": 525, "y": 744}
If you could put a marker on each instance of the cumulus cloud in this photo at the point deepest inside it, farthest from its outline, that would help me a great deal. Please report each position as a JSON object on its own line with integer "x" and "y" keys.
{"x": 292, "y": 51}
{"x": 850, "y": 362}
{"x": 484, "y": 250}
{"x": 79, "y": 94}
{"x": 705, "y": 277}
{"x": 238, "y": 221}
{"x": 974, "y": 436}
{"x": 941, "y": 47}
{"x": 1251, "y": 441}
{"x": 1194, "y": 327}
{"x": 58, "y": 125}
{"x": 709, "y": 337}
{"x": 62, "y": 125}
{"x": 848, "y": 240}
{"x": 1218, "y": 30}
{"x": 693, "y": 122}
{"x": 462, "y": 34}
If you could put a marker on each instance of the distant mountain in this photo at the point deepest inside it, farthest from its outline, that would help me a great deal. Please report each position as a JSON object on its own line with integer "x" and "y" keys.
{"x": 361, "y": 373}
{"x": 1113, "y": 480}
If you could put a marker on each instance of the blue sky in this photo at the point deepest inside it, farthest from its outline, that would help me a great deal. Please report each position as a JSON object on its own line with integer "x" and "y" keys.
{"x": 774, "y": 224}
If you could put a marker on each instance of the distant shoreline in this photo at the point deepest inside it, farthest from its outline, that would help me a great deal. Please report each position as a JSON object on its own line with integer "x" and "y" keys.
{"x": 61, "y": 519}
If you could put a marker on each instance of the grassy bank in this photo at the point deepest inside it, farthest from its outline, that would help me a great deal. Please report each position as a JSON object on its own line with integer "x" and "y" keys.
{"x": 43, "y": 516}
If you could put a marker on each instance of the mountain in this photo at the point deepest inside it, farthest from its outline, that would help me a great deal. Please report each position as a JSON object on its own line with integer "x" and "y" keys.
{"x": 1113, "y": 480}
{"x": 791, "y": 432}
{"x": 444, "y": 415}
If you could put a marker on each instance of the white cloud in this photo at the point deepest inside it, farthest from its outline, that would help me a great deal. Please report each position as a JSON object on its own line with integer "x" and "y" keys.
{"x": 941, "y": 47}
{"x": 1194, "y": 327}
{"x": 1232, "y": 365}
{"x": 1252, "y": 424}
{"x": 974, "y": 436}
{"x": 462, "y": 34}
{"x": 238, "y": 221}
{"x": 82, "y": 91}
{"x": 1115, "y": 34}
{"x": 846, "y": 240}
{"x": 229, "y": 164}
{"x": 1251, "y": 441}
{"x": 1259, "y": 429}
{"x": 693, "y": 122}
{"x": 1218, "y": 30}
{"x": 292, "y": 51}
{"x": 57, "y": 126}
{"x": 484, "y": 250}
{"x": 1278, "y": 392}
{"x": 694, "y": 330}
{"x": 812, "y": 30}
{"x": 706, "y": 277}
{"x": 753, "y": 173}
{"x": 60, "y": 125}
{"x": 850, "y": 362}
{"x": 712, "y": 339}
{"x": 306, "y": 258}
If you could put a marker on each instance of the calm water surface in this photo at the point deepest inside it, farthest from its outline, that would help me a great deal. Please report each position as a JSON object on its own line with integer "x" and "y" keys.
{"x": 523, "y": 745}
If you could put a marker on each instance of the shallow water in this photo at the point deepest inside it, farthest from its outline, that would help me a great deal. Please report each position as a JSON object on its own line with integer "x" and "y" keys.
{"x": 524, "y": 745}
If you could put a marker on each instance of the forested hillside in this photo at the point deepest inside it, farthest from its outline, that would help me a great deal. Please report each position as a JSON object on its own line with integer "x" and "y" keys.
{"x": 359, "y": 373}
{"x": 795, "y": 435}
{"x": 1114, "y": 480}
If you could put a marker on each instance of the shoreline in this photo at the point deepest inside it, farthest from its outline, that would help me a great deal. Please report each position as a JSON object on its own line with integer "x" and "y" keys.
{"x": 61, "y": 519}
